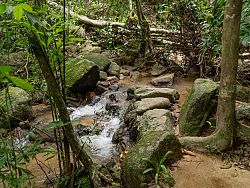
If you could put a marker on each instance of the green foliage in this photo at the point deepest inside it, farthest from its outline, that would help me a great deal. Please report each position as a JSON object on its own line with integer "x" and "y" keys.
{"x": 159, "y": 168}
{"x": 6, "y": 78}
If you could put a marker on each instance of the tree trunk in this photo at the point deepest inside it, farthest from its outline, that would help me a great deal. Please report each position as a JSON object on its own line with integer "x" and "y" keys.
{"x": 226, "y": 123}
{"x": 145, "y": 30}
{"x": 53, "y": 87}
{"x": 226, "y": 120}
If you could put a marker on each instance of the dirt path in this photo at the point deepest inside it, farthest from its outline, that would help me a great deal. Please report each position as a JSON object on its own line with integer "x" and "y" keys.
{"x": 204, "y": 171}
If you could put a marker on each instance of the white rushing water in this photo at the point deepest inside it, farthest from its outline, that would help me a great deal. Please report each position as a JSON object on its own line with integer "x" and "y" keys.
{"x": 101, "y": 144}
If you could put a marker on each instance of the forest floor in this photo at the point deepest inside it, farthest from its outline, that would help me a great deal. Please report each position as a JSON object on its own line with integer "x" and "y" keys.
{"x": 194, "y": 170}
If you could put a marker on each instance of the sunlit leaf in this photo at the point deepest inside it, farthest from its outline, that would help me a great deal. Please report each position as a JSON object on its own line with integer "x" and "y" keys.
{"x": 147, "y": 170}
{"x": 18, "y": 12}
{"x": 56, "y": 124}
{"x": 21, "y": 83}
{"x": 26, "y": 7}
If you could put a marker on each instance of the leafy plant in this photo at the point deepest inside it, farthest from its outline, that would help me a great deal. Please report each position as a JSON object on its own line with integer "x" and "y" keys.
{"x": 159, "y": 168}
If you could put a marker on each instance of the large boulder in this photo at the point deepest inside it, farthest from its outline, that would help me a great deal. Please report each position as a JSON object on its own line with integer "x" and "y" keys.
{"x": 100, "y": 60}
{"x": 164, "y": 80}
{"x": 197, "y": 107}
{"x": 151, "y": 92}
{"x": 155, "y": 138}
{"x": 152, "y": 145}
{"x": 243, "y": 113}
{"x": 151, "y": 103}
{"x": 81, "y": 75}
{"x": 21, "y": 109}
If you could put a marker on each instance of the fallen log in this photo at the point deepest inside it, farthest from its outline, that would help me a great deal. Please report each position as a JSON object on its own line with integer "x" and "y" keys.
{"x": 103, "y": 23}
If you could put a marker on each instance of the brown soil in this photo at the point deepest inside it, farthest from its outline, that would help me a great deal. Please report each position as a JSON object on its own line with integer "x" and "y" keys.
{"x": 205, "y": 171}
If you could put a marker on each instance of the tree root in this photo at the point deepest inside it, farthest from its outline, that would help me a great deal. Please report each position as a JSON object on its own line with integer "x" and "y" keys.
{"x": 213, "y": 143}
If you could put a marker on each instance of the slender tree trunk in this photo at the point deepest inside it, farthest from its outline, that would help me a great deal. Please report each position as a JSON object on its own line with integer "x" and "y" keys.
{"x": 54, "y": 89}
{"x": 226, "y": 123}
{"x": 145, "y": 30}
{"x": 226, "y": 120}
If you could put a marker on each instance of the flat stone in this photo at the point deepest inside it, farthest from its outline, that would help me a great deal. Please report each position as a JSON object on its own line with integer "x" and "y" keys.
{"x": 151, "y": 103}
{"x": 157, "y": 69}
{"x": 151, "y": 92}
{"x": 164, "y": 80}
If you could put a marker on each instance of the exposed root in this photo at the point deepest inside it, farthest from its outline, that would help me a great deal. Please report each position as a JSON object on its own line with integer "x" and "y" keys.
{"x": 213, "y": 143}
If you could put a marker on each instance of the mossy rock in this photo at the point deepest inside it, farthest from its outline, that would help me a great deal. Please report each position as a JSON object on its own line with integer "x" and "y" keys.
{"x": 197, "y": 107}
{"x": 114, "y": 69}
{"x": 81, "y": 75}
{"x": 100, "y": 60}
{"x": 153, "y": 145}
{"x": 20, "y": 102}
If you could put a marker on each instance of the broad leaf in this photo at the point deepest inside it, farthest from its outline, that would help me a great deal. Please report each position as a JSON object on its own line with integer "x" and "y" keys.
{"x": 26, "y": 7}
{"x": 21, "y": 83}
{"x": 34, "y": 20}
{"x": 18, "y": 12}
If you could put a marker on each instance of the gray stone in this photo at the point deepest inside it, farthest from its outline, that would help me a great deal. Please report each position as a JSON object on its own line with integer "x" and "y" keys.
{"x": 197, "y": 107}
{"x": 151, "y": 103}
{"x": 20, "y": 105}
{"x": 156, "y": 120}
{"x": 81, "y": 75}
{"x": 151, "y": 92}
{"x": 157, "y": 69}
{"x": 103, "y": 75}
{"x": 243, "y": 93}
{"x": 164, "y": 80}
{"x": 114, "y": 69}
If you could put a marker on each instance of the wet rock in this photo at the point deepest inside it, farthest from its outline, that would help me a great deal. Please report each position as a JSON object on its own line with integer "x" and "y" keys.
{"x": 83, "y": 130}
{"x": 20, "y": 104}
{"x": 152, "y": 145}
{"x": 121, "y": 77}
{"x": 100, "y": 60}
{"x": 103, "y": 75}
{"x": 114, "y": 87}
{"x": 114, "y": 69}
{"x": 104, "y": 83}
{"x": 150, "y": 104}
{"x": 197, "y": 107}
{"x": 164, "y": 80}
{"x": 157, "y": 69}
{"x": 81, "y": 75}
{"x": 150, "y": 92}
{"x": 156, "y": 120}
{"x": 113, "y": 79}
{"x": 113, "y": 108}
